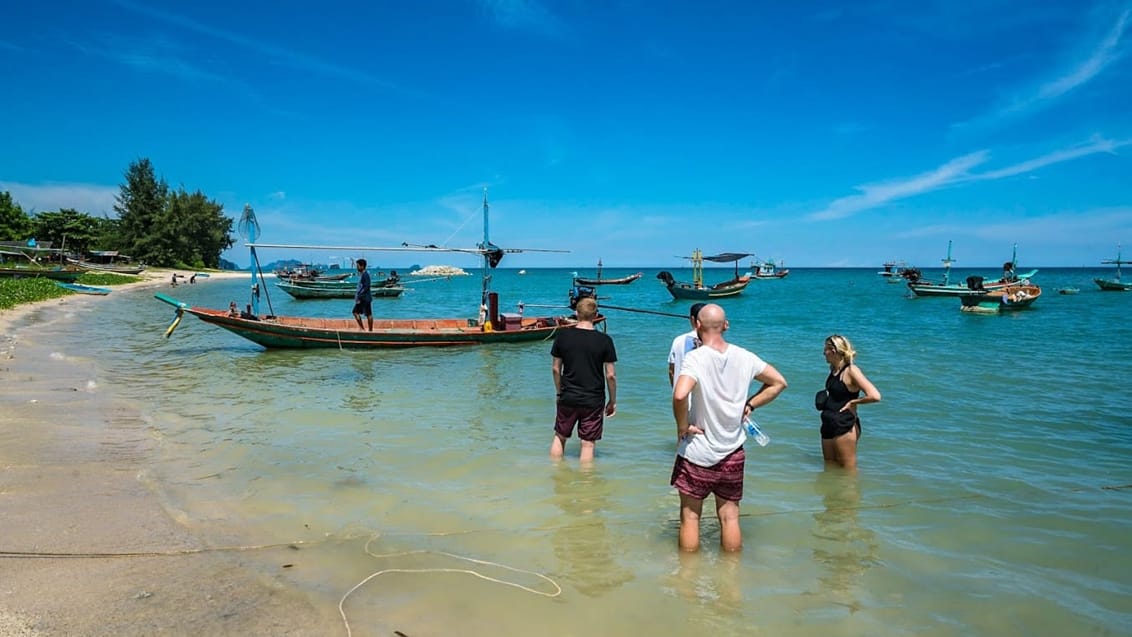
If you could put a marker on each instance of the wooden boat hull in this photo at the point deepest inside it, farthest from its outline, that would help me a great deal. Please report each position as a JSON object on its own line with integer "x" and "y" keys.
{"x": 63, "y": 274}
{"x": 83, "y": 289}
{"x": 779, "y": 274}
{"x": 1013, "y": 298}
{"x": 108, "y": 267}
{"x": 310, "y": 333}
{"x": 625, "y": 280}
{"x": 921, "y": 288}
{"x": 310, "y": 291}
{"x": 688, "y": 291}
{"x": 1113, "y": 285}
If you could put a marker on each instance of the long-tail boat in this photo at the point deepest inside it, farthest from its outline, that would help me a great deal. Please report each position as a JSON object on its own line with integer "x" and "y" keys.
{"x": 920, "y": 287}
{"x": 1114, "y": 284}
{"x": 625, "y": 280}
{"x": 696, "y": 290}
{"x": 489, "y": 327}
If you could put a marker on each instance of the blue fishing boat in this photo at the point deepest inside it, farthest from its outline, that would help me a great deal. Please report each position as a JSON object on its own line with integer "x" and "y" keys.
{"x": 83, "y": 289}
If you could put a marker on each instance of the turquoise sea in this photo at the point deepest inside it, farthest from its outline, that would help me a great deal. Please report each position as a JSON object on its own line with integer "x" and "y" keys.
{"x": 994, "y": 495}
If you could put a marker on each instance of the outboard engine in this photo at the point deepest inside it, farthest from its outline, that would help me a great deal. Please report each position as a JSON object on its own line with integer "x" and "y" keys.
{"x": 579, "y": 292}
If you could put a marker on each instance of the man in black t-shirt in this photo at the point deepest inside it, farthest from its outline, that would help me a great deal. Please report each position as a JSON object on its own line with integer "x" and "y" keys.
{"x": 582, "y": 364}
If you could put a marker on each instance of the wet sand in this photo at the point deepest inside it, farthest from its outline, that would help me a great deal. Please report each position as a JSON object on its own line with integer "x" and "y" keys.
{"x": 87, "y": 547}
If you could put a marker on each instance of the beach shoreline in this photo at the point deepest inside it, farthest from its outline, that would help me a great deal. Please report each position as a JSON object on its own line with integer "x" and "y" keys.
{"x": 89, "y": 548}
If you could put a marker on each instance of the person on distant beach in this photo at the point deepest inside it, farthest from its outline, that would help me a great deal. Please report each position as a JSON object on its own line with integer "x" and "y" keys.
{"x": 192, "y": 279}
{"x": 363, "y": 297}
{"x": 174, "y": 279}
{"x": 840, "y": 425}
{"x": 582, "y": 362}
{"x": 710, "y": 456}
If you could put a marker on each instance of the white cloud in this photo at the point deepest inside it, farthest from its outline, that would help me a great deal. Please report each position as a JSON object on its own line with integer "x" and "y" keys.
{"x": 523, "y": 14}
{"x": 955, "y": 172}
{"x": 1104, "y": 53}
{"x": 89, "y": 198}
{"x": 874, "y": 195}
{"x": 1097, "y": 57}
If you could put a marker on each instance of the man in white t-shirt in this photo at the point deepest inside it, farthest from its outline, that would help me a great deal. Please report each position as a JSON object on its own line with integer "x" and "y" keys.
{"x": 683, "y": 344}
{"x": 710, "y": 459}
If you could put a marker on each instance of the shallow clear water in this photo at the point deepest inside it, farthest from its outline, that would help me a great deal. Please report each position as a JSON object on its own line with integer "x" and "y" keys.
{"x": 992, "y": 496}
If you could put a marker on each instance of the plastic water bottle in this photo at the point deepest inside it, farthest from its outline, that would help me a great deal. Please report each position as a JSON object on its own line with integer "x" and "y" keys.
{"x": 753, "y": 431}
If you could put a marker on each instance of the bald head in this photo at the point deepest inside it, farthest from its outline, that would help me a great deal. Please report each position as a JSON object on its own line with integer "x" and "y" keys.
{"x": 712, "y": 318}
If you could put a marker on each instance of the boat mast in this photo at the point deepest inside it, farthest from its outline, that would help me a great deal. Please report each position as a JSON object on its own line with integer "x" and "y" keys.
{"x": 599, "y": 268}
{"x": 697, "y": 269}
{"x": 485, "y": 246}
{"x": 947, "y": 264}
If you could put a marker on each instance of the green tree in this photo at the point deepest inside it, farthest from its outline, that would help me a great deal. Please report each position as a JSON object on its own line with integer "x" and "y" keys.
{"x": 15, "y": 225}
{"x": 195, "y": 230}
{"x": 141, "y": 204}
{"x": 68, "y": 228}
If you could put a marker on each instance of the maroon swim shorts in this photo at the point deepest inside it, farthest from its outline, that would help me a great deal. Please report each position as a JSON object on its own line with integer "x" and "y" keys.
{"x": 588, "y": 419}
{"x": 724, "y": 479}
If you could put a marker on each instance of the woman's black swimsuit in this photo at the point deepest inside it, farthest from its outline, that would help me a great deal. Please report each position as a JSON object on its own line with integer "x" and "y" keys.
{"x": 834, "y": 422}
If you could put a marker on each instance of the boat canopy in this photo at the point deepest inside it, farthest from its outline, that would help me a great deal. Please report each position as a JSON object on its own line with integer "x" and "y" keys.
{"x": 727, "y": 257}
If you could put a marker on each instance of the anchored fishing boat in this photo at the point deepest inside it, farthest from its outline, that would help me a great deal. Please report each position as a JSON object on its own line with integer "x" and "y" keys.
{"x": 1008, "y": 299}
{"x": 1114, "y": 284}
{"x": 489, "y": 327}
{"x": 696, "y": 290}
{"x": 920, "y": 287}
{"x": 385, "y": 289}
{"x": 625, "y": 280}
{"x": 768, "y": 269}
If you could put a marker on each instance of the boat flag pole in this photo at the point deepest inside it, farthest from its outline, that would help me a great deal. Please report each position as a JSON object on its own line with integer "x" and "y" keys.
{"x": 947, "y": 265}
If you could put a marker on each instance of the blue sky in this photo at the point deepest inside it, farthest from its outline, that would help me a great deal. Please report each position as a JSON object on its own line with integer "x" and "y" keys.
{"x": 822, "y": 134}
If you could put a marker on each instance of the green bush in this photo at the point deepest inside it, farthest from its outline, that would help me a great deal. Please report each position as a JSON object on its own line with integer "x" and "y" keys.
{"x": 15, "y": 292}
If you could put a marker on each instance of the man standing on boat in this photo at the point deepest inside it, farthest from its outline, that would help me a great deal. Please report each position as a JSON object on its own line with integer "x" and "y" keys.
{"x": 710, "y": 457}
{"x": 582, "y": 364}
{"x": 363, "y": 297}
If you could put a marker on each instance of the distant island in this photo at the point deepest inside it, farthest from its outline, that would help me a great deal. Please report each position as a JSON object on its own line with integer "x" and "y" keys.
{"x": 439, "y": 270}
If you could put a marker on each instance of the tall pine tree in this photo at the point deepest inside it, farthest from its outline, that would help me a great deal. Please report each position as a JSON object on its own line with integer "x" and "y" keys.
{"x": 141, "y": 203}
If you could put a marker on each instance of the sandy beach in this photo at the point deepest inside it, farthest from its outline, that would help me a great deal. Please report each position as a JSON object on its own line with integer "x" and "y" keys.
{"x": 88, "y": 548}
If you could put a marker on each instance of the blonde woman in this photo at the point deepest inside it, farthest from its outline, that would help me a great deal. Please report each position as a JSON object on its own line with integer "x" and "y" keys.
{"x": 840, "y": 426}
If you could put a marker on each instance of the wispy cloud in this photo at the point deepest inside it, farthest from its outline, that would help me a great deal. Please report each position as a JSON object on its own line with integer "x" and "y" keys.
{"x": 151, "y": 54}
{"x": 955, "y": 172}
{"x": 524, "y": 15}
{"x": 280, "y": 54}
{"x": 874, "y": 195}
{"x": 92, "y": 199}
{"x": 1100, "y": 56}
{"x": 1086, "y": 66}
{"x": 10, "y": 47}
{"x": 1097, "y": 145}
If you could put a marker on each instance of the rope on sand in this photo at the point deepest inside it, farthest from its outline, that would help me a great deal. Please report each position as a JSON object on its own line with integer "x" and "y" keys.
{"x": 463, "y": 571}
